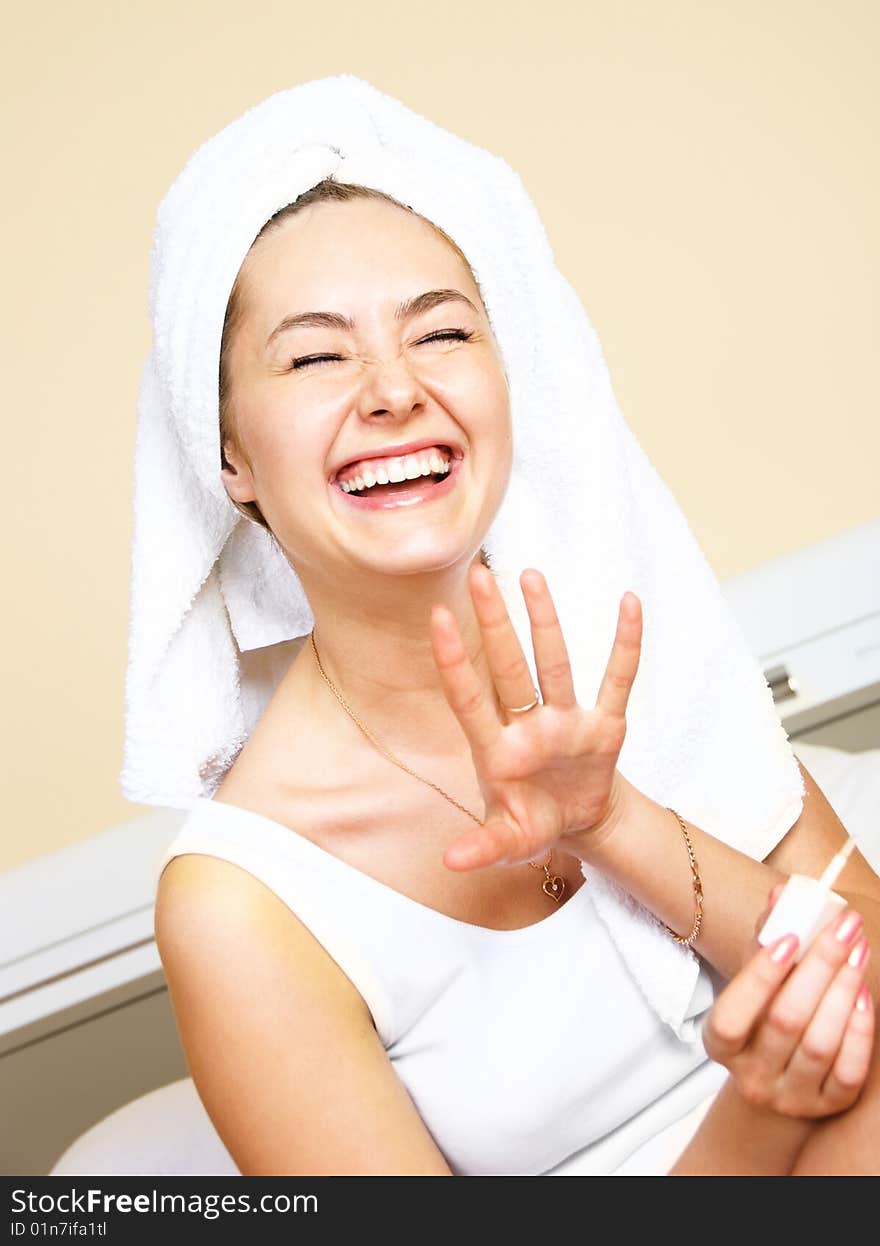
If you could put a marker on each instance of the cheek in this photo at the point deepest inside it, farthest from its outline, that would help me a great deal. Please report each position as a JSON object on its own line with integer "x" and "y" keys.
{"x": 289, "y": 447}
{"x": 491, "y": 404}
{"x": 491, "y": 433}
{"x": 481, "y": 391}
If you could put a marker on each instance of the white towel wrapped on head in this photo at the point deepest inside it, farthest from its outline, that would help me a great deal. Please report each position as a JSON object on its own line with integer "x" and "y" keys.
{"x": 209, "y": 588}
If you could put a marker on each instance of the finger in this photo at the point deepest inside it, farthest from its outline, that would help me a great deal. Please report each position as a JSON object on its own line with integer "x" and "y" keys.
{"x": 551, "y": 654}
{"x": 504, "y": 654}
{"x": 462, "y": 686}
{"x": 491, "y": 844}
{"x": 743, "y": 1001}
{"x": 815, "y": 1054}
{"x": 797, "y": 1000}
{"x": 775, "y": 893}
{"x": 853, "y": 1062}
{"x": 623, "y": 663}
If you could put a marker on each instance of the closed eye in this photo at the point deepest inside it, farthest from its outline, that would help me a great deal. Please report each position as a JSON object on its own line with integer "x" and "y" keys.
{"x": 443, "y": 335}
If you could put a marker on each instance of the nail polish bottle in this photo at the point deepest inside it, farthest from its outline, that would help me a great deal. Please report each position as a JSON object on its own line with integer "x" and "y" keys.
{"x": 806, "y": 905}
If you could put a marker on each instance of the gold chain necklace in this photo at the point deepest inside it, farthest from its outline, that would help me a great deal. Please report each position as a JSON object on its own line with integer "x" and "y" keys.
{"x": 553, "y": 885}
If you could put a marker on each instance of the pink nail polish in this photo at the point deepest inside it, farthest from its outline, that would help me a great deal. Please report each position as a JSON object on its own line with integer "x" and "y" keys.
{"x": 863, "y": 999}
{"x": 803, "y": 908}
{"x": 859, "y": 954}
{"x": 784, "y": 948}
{"x": 848, "y": 926}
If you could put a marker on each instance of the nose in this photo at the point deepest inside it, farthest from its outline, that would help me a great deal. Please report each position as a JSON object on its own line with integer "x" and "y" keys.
{"x": 391, "y": 389}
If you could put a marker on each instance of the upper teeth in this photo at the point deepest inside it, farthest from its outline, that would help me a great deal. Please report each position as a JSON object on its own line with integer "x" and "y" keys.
{"x": 371, "y": 472}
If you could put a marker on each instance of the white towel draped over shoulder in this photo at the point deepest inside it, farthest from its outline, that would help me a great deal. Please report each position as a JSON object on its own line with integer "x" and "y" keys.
{"x": 209, "y": 588}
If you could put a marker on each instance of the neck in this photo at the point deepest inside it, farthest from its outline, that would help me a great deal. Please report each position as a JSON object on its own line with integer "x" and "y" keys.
{"x": 376, "y": 649}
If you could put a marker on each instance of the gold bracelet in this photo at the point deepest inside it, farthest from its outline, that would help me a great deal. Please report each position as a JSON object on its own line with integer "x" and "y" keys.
{"x": 687, "y": 940}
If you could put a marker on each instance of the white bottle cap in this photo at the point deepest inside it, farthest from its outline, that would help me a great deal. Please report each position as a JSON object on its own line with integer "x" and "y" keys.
{"x": 804, "y": 908}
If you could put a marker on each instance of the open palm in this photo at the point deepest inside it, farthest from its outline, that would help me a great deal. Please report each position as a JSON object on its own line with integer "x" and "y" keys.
{"x": 549, "y": 772}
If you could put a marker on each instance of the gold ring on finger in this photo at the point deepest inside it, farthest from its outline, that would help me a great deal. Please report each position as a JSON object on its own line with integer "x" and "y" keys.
{"x": 523, "y": 709}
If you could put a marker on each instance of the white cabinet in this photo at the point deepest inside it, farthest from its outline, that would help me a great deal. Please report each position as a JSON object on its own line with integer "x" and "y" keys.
{"x": 85, "y": 1019}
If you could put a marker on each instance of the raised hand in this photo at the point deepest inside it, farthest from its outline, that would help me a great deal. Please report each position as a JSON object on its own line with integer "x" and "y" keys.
{"x": 549, "y": 772}
{"x": 798, "y": 1041}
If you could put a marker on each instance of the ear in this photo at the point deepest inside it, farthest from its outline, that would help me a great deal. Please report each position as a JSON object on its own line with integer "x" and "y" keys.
{"x": 236, "y": 475}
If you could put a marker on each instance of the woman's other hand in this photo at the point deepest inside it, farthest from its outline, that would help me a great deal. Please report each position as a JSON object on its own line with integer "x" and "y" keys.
{"x": 798, "y": 1041}
{"x": 549, "y": 772}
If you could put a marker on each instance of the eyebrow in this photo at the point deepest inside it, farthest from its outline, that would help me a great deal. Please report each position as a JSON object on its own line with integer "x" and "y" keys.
{"x": 404, "y": 311}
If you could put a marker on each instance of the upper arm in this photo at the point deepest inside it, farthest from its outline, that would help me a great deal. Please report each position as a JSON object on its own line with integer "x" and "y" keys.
{"x": 280, "y": 1044}
{"x": 813, "y": 840}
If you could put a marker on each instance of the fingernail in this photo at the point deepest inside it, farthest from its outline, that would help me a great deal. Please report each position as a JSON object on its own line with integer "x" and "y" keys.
{"x": 847, "y": 927}
{"x": 859, "y": 954}
{"x": 783, "y": 948}
{"x": 863, "y": 999}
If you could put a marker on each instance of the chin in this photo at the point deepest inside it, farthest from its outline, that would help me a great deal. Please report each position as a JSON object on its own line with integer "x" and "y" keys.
{"x": 423, "y": 555}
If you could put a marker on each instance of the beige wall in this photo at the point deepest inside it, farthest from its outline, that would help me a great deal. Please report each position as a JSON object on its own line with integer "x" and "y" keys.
{"x": 707, "y": 173}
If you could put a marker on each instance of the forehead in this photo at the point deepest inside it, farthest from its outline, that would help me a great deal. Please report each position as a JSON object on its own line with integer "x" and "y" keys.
{"x": 336, "y": 248}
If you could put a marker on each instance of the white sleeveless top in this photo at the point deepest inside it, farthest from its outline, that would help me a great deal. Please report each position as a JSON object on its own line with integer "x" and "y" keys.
{"x": 526, "y": 1052}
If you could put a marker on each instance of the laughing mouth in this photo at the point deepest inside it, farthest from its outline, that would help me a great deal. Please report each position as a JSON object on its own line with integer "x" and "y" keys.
{"x": 393, "y": 474}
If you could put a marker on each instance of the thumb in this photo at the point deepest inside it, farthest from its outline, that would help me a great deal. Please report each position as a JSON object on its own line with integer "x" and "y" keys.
{"x": 495, "y": 842}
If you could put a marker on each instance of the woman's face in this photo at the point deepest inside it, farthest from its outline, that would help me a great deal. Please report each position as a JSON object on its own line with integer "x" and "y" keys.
{"x": 318, "y": 404}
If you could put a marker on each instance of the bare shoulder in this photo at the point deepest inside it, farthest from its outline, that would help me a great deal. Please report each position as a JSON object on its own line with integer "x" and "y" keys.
{"x": 280, "y": 1044}
{"x": 214, "y": 915}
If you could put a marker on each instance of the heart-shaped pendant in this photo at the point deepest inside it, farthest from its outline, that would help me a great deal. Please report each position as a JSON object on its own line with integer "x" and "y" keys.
{"x": 554, "y": 887}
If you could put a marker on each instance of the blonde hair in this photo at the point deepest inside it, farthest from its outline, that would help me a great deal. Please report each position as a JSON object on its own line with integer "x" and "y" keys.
{"x": 322, "y": 192}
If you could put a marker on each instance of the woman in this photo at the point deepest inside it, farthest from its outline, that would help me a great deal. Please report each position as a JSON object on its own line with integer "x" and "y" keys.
{"x": 410, "y": 733}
